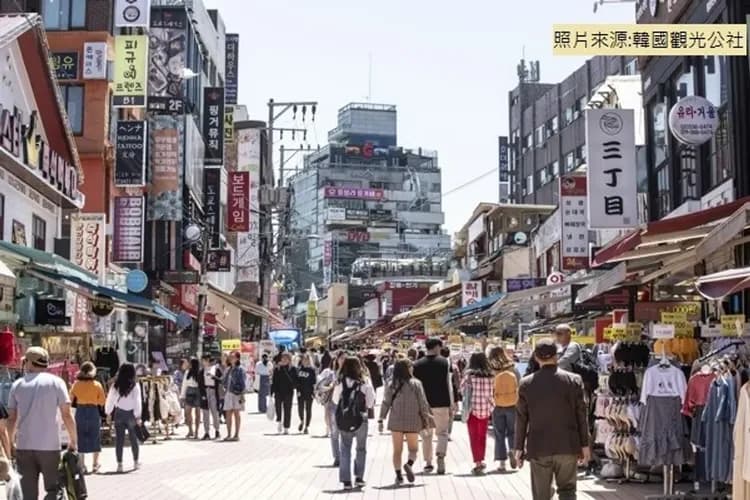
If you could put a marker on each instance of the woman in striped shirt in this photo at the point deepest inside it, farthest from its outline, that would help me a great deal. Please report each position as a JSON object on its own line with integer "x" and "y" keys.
{"x": 478, "y": 383}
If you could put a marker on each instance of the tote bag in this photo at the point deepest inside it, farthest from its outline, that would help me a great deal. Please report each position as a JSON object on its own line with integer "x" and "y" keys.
{"x": 466, "y": 402}
{"x": 271, "y": 408}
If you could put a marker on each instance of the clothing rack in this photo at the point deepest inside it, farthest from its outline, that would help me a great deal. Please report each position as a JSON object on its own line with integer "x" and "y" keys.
{"x": 155, "y": 427}
{"x": 720, "y": 350}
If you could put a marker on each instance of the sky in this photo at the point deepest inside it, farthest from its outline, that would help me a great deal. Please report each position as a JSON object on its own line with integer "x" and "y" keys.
{"x": 448, "y": 66}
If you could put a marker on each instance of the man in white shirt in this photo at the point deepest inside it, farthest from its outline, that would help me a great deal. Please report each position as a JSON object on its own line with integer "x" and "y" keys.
{"x": 208, "y": 384}
{"x": 568, "y": 352}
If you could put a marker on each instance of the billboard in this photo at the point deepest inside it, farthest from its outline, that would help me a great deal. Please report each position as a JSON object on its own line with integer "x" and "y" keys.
{"x": 167, "y": 60}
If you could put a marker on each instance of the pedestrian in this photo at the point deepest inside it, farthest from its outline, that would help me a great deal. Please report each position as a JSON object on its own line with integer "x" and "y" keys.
{"x": 506, "y": 381}
{"x": 88, "y": 398}
{"x": 412, "y": 355}
{"x": 551, "y": 426}
{"x": 568, "y": 352}
{"x": 325, "y": 359}
{"x": 191, "y": 398}
{"x": 434, "y": 372}
{"x": 376, "y": 375}
{"x": 283, "y": 385}
{"x": 124, "y": 406}
{"x": 324, "y": 394}
{"x": 209, "y": 380}
{"x": 353, "y": 396}
{"x": 305, "y": 391}
{"x": 263, "y": 370}
{"x": 478, "y": 385}
{"x": 404, "y": 399}
{"x": 234, "y": 396}
{"x": 179, "y": 374}
{"x": 33, "y": 404}
{"x": 445, "y": 352}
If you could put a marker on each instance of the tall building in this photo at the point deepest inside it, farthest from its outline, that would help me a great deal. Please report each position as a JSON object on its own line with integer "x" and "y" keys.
{"x": 364, "y": 207}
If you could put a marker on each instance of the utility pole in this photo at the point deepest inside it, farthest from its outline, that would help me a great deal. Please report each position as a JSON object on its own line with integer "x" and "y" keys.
{"x": 283, "y": 159}
{"x": 200, "y": 330}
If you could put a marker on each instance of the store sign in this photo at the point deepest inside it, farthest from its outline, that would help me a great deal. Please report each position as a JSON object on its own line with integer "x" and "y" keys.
{"x": 219, "y": 261}
{"x": 65, "y": 65}
{"x": 693, "y": 120}
{"x": 619, "y": 298}
{"x": 357, "y": 214}
{"x": 379, "y": 214}
{"x": 127, "y": 231}
{"x": 471, "y": 292}
{"x": 502, "y": 155}
{"x": 130, "y": 71}
{"x": 188, "y": 298}
{"x": 238, "y": 202}
{"x": 188, "y": 277}
{"x": 165, "y": 189}
{"x": 231, "y": 60}
{"x": 213, "y": 124}
{"x": 646, "y": 312}
{"x": 88, "y": 242}
{"x": 136, "y": 281}
{"x": 358, "y": 236}
{"x": 95, "y": 60}
{"x": 130, "y": 153}
{"x": 228, "y": 124}
{"x": 518, "y": 284}
{"x": 212, "y": 203}
{"x": 168, "y": 52}
{"x": 611, "y": 169}
{"x": 132, "y": 13}
{"x": 102, "y": 305}
{"x": 248, "y": 243}
{"x": 354, "y": 193}
{"x": 335, "y": 214}
{"x": 51, "y": 312}
{"x": 574, "y": 234}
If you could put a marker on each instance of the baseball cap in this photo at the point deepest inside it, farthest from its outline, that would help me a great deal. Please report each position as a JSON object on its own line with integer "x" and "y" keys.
{"x": 545, "y": 349}
{"x": 37, "y": 356}
{"x": 433, "y": 342}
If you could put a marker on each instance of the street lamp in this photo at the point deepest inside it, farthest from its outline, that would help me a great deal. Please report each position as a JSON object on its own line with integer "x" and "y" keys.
{"x": 194, "y": 233}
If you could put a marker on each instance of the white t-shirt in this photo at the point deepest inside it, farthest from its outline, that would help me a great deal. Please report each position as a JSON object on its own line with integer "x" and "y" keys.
{"x": 663, "y": 381}
{"x": 131, "y": 402}
{"x": 366, "y": 389}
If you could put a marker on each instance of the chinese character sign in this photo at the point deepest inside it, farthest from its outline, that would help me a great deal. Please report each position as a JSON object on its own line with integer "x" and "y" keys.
{"x": 127, "y": 233}
{"x": 230, "y": 66}
{"x": 213, "y": 125}
{"x": 130, "y": 153}
{"x": 238, "y": 201}
{"x": 130, "y": 71}
{"x": 574, "y": 235}
{"x": 611, "y": 169}
{"x": 88, "y": 240}
{"x": 471, "y": 292}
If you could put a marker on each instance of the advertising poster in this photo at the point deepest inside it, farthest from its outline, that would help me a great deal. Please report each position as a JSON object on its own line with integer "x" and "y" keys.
{"x": 167, "y": 60}
{"x": 127, "y": 232}
{"x": 130, "y": 71}
{"x": 88, "y": 242}
{"x": 165, "y": 180}
{"x": 130, "y": 153}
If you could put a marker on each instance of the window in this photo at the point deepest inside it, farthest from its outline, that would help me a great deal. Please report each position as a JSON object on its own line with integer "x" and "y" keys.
{"x": 540, "y": 135}
{"x": 581, "y": 154}
{"x": 583, "y": 102}
{"x": 715, "y": 76}
{"x": 2, "y": 217}
{"x": 529, "y": 141}
{"x": 684, "y": 84}
{"x": 555, "y": 169}
{"x": 72, "y": 96}
{"x": 658, "y": 140}
{"x": 530, "y": 184}
{"x": 663, "y": 191}
{"x": 39, "y": 232}
{"x": 64, "y": 14}
{"x": 568, "y": 118}
{"x": 555, "y": 125}
{"x": 542, "y": 176}
{"x": 570, "y": 161}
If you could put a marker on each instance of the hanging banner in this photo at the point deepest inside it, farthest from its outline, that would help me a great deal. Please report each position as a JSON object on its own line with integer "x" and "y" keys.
{"x": 130, "y": 71}
{"x": 212, "y": 203}
{"x": 213, "y": 125}
{"x": 165, "y": 180}
{"x": 88, "y": 242}
{"x": 132, "y": 13}
{"x": 611, "y": 169}
{"x": 65, "y": 65}
{"x": 574, "y": 239}
{"x": 127, "y": 229}
{"x": 248, "y": 243}
{"x": 130, "y": 153}
{"x": 229, "y": 125}
{"x": 238, "y": 202}
{"x": 167, "y": 58}
{"x": 471, "y": 292}
{"x": 95, "y": 60}
{"x": 231, "y": 55}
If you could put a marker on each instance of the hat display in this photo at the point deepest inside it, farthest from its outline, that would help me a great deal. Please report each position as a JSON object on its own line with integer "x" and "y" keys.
{"x": 37, "y": 356}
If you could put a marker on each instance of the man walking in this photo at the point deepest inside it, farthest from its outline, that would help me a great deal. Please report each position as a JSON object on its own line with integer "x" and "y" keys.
{"x": 209, "y": 381}
{"x": 551, "y": 425}
{"x": 32, "y": 413}
{"x": 568, "y": 352}
{"x": 435, "y": 374}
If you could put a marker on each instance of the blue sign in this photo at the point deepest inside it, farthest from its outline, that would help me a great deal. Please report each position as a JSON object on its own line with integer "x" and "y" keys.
{"x": 136, "y": 281}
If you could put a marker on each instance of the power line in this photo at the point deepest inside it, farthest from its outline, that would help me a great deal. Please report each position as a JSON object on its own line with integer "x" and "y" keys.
{"x": 470, "y": 182}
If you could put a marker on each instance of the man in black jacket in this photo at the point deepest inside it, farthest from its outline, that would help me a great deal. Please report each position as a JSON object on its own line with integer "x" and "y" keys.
{"x": 551, "y": 425}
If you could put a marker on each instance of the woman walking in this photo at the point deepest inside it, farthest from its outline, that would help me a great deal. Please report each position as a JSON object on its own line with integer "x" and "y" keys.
{"x": 191, "y": 397}
{"x": 305, "y": 391}
{"x": 504, "y": 415}
{"x": 283, "y": 385}
{"x": 410, "y": 413}
{"x": 324, "y": 394}
{"x": 234, "y": 397}
{"x": 354, "y": 396}
{"x": 124, "y": 404}
{"x": 477, "y": 388}
{"x": 263, "y": 376}
{"x": 88, "y": 398}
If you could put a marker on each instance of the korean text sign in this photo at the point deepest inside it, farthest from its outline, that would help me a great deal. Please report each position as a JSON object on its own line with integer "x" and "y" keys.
{"x": 238, "y": 201}
{"x": 574, "y": 236}
{"x": 130, "y": 71}
{"x": 127, "y": 233}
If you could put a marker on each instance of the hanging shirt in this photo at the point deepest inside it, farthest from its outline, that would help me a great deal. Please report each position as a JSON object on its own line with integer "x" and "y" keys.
{"x": 697, "y": 392}
{"x": 663, "y": 381}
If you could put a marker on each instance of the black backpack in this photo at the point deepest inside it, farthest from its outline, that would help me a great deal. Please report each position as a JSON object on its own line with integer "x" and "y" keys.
{"x": 587, "y": 369}
{"x": 352, "y": 408}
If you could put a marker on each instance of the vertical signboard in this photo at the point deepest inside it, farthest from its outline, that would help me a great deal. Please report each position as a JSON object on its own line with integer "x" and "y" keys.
{"x": 503, "y": 169}
{"x": 213, "y": 125}
{"x": 611, "y": 169}
{"x": 471, "y": 292}
{"x": 574, "y": 236}
{"x": 229, "y": 125}
{"x": 88, "y": 240}
{"x": 132, "y": 13}
{"x": 167, "y": 60}
{"x": 230, "y": 67}
{"x": 212, "y": 203}
{"x": 327, "y": 259}
{"x": 127, "y": 231}
{"x": 248, "y": 248}
{"x": 165, "y": 182}
{"x": 95, "y": 60}
{"x": 130, "y": 153}
{"x": 130, "y": 71}
{"x": 238, "y": 204}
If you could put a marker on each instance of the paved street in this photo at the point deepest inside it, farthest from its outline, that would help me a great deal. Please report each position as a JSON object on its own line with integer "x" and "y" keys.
{"x": 265, "y": 465}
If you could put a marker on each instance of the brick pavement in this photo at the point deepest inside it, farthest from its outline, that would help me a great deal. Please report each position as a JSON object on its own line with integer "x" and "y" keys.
{"x": 265, "y": 465}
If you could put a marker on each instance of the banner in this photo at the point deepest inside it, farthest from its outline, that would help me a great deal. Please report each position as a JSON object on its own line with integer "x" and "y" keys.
{"x": 611, "y": 169}
{"x": 248, "y": 244}
{"x": 65, "y": 65}
{"x": 213, "y": 125}
{"x": 132, "y": 13}
{"x": 238, "y": 202}
{"x": 95, "y": 60}
{"x": 130, "y": 153}
{"x": 212, "y": 203}
{"x": 88, "y": 241}
{"x": 471, "y": 292}
{"x": 165, "y": 180}
{"x": 130, "y": 71}
{"x": 574, "y": 240}
{"x": 167, "y": 57}
{"x": 127, "y": 231}
{"x": 231, "y": 54}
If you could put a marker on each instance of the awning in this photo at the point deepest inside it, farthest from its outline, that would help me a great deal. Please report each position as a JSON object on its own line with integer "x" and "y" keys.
{"x": 474, "y": 308}
{"x": 25, "y": 255}
{"x": 245, "y": 305}
{"x": 428, "y": 309}
{"x": 7, "y": 277}
{"x": 601, "y": 284}
{"x": 718, "y": 285}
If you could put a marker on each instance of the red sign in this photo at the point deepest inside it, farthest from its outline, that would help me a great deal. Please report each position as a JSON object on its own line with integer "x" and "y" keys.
{"x": 358, "y": 236}
{"x": 354, "y": 193}
{"x": 238, "y": 202}
{"x": 127, "y": 234}
{"x": 187, "y": 298}
{"x": 575, "y": 232}
{"x": 190, "y": 261}
{"x": 327, "y": 252}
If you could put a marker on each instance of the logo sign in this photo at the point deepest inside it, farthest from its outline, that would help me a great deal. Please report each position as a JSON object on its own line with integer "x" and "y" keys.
{"x": 131, "y": 13}
{"x": 95, "y": 60}
{"x": 136, "y": 281}
{"x": 65, "y": 65}
{"x": 213, "y": 124}
{"x": 238, "y": 202}
{"x": 611, "y": 169}
{"x": 693, "y": 120}
{"x": 130, "y": 71}
{"x": 555, "y": 278}
{"x": 231, "y": 55}
{"x": 471, "y": 292}
{"x": 127, "y": 232}
{"x": 168, "y": 53}
{"x": 88, "y": 240}
{"x": 102, "y": 305}
{"x": 51, "y": 312}
{"x": 219, "y": 261}
{"x": 358, "y": 236}
{"x": 212, "y": 203}
{"x": 130, "y": 153}
{"x": 354, "y": 193}
{"x": 574, "y": 239}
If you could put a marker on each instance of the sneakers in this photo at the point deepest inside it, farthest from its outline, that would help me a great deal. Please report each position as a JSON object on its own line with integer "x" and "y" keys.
{"x": 206, "y": 437}
{"x": 190, "y": 435}
{"x": 502, "y": 467}
{"x": 286, "y": 431}
{"x": 359, "y": 482}
{"x": 478, "y": 470}
{"x": 136, "y": 465}
{"x": 279, "y": 427}
{"x": 218, "y": 435}
{"x": 409, "y": 472}
{"x": 441, "y": 465}
{"x": 347, "y": 485}
{"x": 399, "y": 478}
{"x": 119, "y": 468}
{"x": 306, "y": 431}
{"x": 428, "y": 469}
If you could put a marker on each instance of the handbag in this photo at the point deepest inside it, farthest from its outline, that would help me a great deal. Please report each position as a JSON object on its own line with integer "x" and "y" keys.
{"x": 142, "y": 433}
{"x": 271, "y": 408}
{"x": 466, "y": 401}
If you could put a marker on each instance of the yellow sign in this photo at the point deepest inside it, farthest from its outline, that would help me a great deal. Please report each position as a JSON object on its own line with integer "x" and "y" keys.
{"x": 630, "y": 332}
{"x": 432, "y": 327}
{"x": 731, "y": 324}
{"x": 649, "y": 39}
{"x": 130, "y": 71}
{"x": 229, "y": 125}
{"x": 634, "y": 329}
{"x": 231, "y": 345}
{"x": 672, "y": 318}
{"x": 584, "y": 340}
{"x": 311, "y": 321}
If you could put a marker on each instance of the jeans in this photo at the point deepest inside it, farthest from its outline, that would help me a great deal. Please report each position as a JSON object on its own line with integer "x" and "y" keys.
{"x": 477, "y": 437}
{"x": 212, "y": 411}
{"x": 284, "y": 401}
{"x": 345, "y": 465}
{"x": 304, "y": 408}
{"x": 443, "y": 419}
{"x": 125, "y": 420}
{"x": 335, "y": 448}
{"x": 264, "y": 387}
{"x": 503, "y": 425}
{"x": 562, "y": 468}
{"x": 30, "y": 464}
